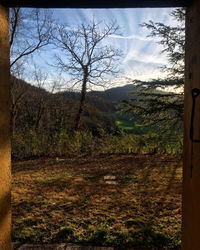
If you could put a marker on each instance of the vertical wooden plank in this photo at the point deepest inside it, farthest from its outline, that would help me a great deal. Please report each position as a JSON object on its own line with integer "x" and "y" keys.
{"x": 5, "y": 176}
{"x": 191, "y": 172}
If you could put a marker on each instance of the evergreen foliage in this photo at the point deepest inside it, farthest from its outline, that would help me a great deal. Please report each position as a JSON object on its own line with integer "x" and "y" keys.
{"x": 160, "y": 101}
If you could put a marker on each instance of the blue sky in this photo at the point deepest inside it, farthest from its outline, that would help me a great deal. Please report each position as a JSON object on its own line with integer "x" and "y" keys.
{"x": 142, "y": 56}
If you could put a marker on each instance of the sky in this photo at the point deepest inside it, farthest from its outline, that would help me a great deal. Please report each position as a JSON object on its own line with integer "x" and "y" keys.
{"x": 142, "y": 58}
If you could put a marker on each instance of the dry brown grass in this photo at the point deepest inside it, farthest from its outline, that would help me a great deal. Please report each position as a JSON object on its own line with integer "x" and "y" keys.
{"x": 67, "y": 200}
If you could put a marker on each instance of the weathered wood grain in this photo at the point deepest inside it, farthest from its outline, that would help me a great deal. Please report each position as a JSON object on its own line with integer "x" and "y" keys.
{"x": 191, "y": 173}
{"x": 5, "y": 175}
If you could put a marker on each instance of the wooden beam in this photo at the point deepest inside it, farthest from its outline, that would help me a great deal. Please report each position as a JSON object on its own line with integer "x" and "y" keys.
{"x": 96, "y": 3}
{"x": 191, "y": 172}
{"x": 5, "y": 173}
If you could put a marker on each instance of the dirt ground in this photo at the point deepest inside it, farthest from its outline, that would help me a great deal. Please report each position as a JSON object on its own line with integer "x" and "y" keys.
{"x": 69, "y": 200}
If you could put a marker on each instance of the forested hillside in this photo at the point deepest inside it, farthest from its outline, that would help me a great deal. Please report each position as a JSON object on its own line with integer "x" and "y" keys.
{"x": 38, "y": 109}
{"x": 43, "y": 124}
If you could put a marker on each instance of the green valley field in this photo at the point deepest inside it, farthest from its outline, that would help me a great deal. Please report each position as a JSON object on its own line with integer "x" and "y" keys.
{"x": 69, "y": 200}
{"x": 125, "y": 125}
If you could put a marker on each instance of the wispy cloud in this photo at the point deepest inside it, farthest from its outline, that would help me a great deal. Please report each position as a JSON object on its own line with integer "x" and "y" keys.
{"x": 131, "y": 37}
{"x": 142, "y": 57}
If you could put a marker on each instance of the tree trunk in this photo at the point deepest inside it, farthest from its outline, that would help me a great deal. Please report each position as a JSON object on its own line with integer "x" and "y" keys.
{"x": 82, "y": 103}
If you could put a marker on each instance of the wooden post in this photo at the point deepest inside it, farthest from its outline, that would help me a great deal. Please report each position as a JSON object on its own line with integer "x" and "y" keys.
{"x": 191, "y": 172}
{"x": 5, "y": 176}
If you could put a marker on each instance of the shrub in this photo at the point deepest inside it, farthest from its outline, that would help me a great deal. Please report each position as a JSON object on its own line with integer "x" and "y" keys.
{"x": 65, "y": 142}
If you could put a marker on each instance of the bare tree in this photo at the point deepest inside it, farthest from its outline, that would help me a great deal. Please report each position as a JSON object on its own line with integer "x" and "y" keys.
{"x": 86, "y": 57}
{"x": 40, "y": 79}
{"x": 30, "y": 31}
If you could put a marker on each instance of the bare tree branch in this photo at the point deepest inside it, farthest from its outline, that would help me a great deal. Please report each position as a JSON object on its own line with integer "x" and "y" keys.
{"x": 30, "y": 30}
{"x": 85, "y": 57}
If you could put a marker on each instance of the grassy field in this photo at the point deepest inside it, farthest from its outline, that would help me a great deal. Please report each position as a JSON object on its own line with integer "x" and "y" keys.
{"x": 131, "y": 126}
{"x": 68, "y": 200}
{"x": 125, "y": 125}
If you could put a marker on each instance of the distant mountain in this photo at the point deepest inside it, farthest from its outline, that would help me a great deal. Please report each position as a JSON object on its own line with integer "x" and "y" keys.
{"x": 36, "y": 109}
{"x": 115, "y": 94}
{"x": 104, "y": 101}
{"x": 40, "y": 109}
{"x": 112, "y": 96}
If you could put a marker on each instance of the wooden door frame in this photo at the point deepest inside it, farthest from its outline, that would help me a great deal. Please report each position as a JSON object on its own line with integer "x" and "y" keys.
{"x": 191, "y": 168}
